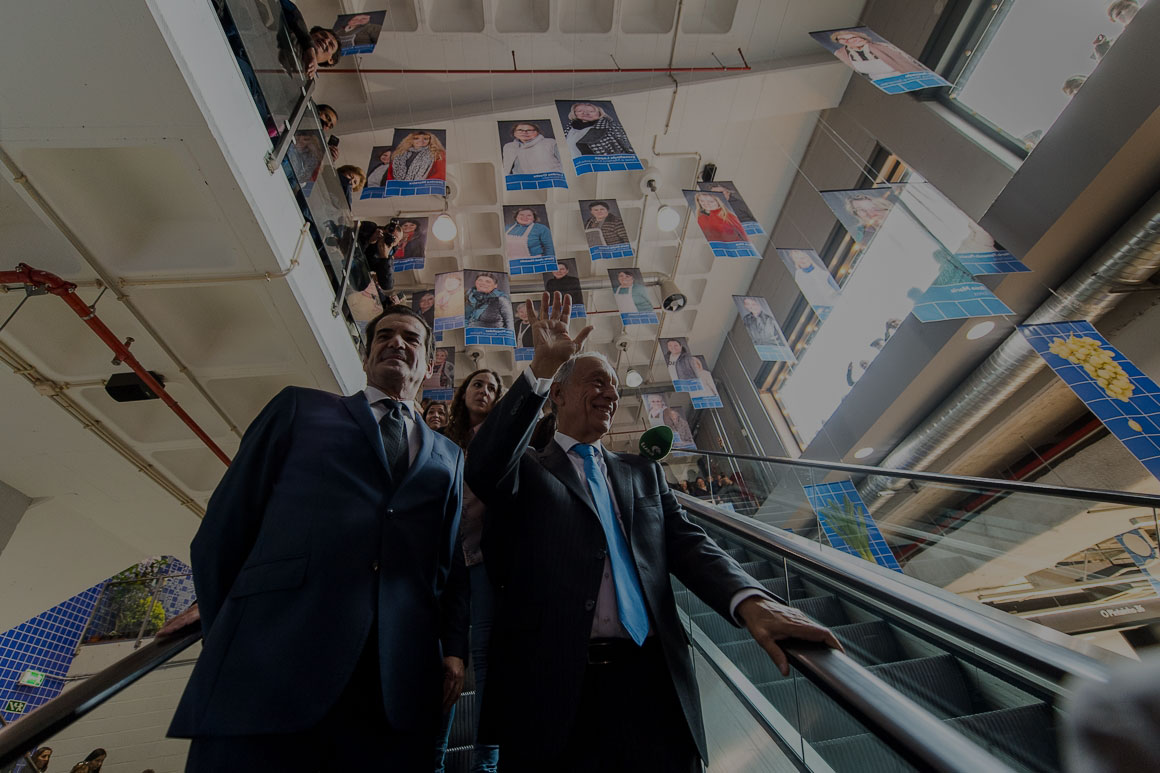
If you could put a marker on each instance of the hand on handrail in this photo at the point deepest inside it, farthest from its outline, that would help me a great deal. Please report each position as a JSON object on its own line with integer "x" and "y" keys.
{"x": 182, "y": 623}
{"x": 770, "y": 622}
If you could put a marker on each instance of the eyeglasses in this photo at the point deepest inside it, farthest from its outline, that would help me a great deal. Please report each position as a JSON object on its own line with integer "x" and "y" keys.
{"x": 525, "y": 131}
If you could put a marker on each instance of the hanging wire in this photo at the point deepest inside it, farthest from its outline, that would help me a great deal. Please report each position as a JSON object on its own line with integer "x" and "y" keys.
{"x": 18, "y": 307}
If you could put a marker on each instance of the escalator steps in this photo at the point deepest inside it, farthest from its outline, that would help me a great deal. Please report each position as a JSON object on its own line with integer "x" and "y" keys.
{"x": 785, "y": 589}
{"x": 815, "y": 715}
{"x": 860, "y": 754}
{"x": 761, "y": 570}
{"x": 463, "y": 726}
{"x": 936, "y": 683}
{"x": 1024, "y": 735}
{"x": 752, "y": 660}
{"x": 718, "y": 628}
{"x": 740, "y": 555}
{"x": 870, "y": 644}
{"x": 826, "y": 610}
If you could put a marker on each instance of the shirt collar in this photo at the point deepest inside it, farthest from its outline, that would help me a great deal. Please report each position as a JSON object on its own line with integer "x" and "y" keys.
{"x": 567, "y": 442}
{"x": 375, "y": 395}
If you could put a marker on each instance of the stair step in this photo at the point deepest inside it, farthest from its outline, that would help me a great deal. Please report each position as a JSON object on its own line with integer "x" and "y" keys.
{"x": 870, "y": 644}
{"x": 463, "y": 725}
{"x": 860, "y": 754}
{"x": 936, "y": 683}
{"x": 814, "y": 714}
{"x": 458, "y": 760}
{"x": 785, "y": 588}
{"x": 1024, "y": 735}
{"x": 826, "y": 610}
{"x": 751, "y": 660}
{"x": 719, "y": 629}
{"x": 761, "y": 570}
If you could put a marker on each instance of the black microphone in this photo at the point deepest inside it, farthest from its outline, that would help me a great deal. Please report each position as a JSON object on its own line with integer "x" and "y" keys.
{"x": 656, "y": 443}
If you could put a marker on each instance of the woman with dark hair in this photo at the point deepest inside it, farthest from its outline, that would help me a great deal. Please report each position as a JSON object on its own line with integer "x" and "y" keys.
{"x": 472, "y": 402}
{"x": 608, "y": 223}
{"x": 527, "y": 237}
{"x": 412, "y": 242}
{"x": 487, "y": 305}
{"x": 679, "y": 425}
{"x": 39, "y": 757}
{"x": 435, "y": 415}
{"x": 679, "y": 360}
{"x": 630, "y": 294}
{"x": 530, "y": 152}
{"x": 91, "y": 763}
{"x": 420, "y": 156}
{"x": 592, "y": 132}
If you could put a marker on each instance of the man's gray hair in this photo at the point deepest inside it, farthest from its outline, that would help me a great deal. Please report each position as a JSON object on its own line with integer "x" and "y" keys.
{"x": 565, "y": 371}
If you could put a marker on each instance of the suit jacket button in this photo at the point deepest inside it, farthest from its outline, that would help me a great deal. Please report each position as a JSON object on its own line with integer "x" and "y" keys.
{"x": 600, "y": 554}
{"x": 390, "y": 511}
{"x": 374, "y": 566}
{"x": 589, "y": 605}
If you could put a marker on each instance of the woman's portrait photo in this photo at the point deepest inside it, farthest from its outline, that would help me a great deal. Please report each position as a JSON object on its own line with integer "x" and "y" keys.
{"x": 411, "y": 239}
{"x": 423, "y": 301}
{"x": 526, "y": 232}
{"x": 592, "y": 129}
{"x": 729, "y": 192}
{"x": 524, "y": 325}
{"x": 629, "y": 291}
{"x": 715, "y": 218}
{"x": 678, "y": 359}
{"x": 813, "y": 279}
{"x": 487, "y": 302}
{"x": 379, "y": 166}
{"x": 872, "y": 56}
{"x": 449, "y": 296}
{"x": 358, "y": 33}
{"x": 674, "y": 419}
{"x": 564, "y": 280}
{"x": 862, "y": 211}
{"x": 419, "y": 154}
{"x": 603, "y": 225}
{"x": 529, "y": 147}
{"x": 442, "y": 370}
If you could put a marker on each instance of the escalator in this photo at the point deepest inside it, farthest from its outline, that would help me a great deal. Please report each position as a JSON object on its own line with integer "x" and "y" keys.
{"x": 928, "y": 681}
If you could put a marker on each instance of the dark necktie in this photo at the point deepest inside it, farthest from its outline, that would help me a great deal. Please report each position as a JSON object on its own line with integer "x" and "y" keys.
{"x": 394, "y": 432}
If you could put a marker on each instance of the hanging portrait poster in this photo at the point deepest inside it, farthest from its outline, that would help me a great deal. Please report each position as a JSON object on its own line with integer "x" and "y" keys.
{"x": 884, "y": 64}
{"x": 658, "y": 412}
{"x": 487, "y": 309}
{"x": 862, "y": 211}
{"x": 448, "y": 301}
{"x": 440, "y": 385}
{"x": 740, "y": 208}
{"x": 418, "y": 165}
{"x": 377, "y": 168}
{"x": 1143, "y": 554}
{"x": 631, "y": 297}
{"x": 365, "y": 303}
{"x": 525, "y": 345}
{"x": 847, "y": 523}
{"x": 1110, "y": 385}
{"x": 604, "y": 229}
{"x": 306, "y": 154}
{"x": 955, "y": 295}
{"x": 423, "y": 301}
{"x": 706, "y": 396}
{"x": 971, "y": 245}
{"x": 722, "y": 229}
{"x": 763, "y": 329}
{"x": 358, "y": 33}
{"x": 684, "y": 374}
{"x": 812, "y": 277}
{"x": 530, "y": 156}
{"x": 595, "y": 138}
{"x": 528, "y": 239}
{"x": 566, "y": 280}
{"x": 411, "y": 251}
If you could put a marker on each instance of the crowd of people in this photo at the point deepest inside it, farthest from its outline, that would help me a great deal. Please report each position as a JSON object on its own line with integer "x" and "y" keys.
{"x": 39, "y": 759}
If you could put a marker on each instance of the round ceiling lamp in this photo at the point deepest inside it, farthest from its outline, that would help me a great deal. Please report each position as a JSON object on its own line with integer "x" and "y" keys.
{"x": 980, "y": 330}
{"x": 863, "y": 452}
{"x": 444, "y": 228}
{"x": 668, "y": 218}
{"x": 633, "y": 378}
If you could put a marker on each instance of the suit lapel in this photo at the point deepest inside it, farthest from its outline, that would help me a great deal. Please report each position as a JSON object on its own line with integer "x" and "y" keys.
{"x": 360, "y": 409}
{"x": 425, "y": 445}
{"x": 620, "y": 474}
{"x": 557, "y": 462}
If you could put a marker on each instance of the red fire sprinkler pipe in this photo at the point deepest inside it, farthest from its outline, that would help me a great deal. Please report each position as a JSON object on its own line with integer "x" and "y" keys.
{"x": 66, "y": 291}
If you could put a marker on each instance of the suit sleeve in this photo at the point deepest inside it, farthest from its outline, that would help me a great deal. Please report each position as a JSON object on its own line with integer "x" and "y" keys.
{"x": 493, "y": 460}
{"x": 235, "y": 511}
{"x": 697, "y": 561}
{"x": 454, "y": 603}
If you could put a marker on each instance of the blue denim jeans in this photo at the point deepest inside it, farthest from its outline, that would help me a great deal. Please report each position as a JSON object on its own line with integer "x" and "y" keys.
{"x": 485, "y": 758}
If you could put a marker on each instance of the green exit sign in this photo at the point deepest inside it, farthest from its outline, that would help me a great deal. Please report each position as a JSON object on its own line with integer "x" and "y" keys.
{"x": 15, "y": 707}
{"x": 32, "y": 678}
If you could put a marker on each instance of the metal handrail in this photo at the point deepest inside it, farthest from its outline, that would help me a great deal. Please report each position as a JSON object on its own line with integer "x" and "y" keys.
{"x": 47, "y": 720}
{"x": 989, "y": 630}
{"x": 959, "y": 481}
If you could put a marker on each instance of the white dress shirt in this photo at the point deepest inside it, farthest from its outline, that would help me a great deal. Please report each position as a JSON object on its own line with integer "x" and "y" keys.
{"x": 375, "y": 396}
{"x": 606, "y": 620}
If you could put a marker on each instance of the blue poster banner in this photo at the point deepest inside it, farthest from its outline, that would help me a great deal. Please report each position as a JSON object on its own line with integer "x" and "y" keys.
{"x": 596, "y": 139}
{"x": 1143, "y": 553}
{"x": 733, "y": 250}
{"x": 687, "y": 385}
{"x": 487, "y": 309}
{"x": 959, "y": 300}
{"x": 729, "y": 191}
{"x": 530, "y": 156}
{"x": 710, "y": 401}
{"x": 535, "y": 182}
{"x": 847, "y": 522}
{"x": 1110, "y": 385}
{"x": 639, "y": 318}
{"x": 418, "y": 165}
{"x": 878, "y": 60}
{"x": 722, "y": 228}
{"x": 438, "y": 395}
{"x": 997, "y": 262}
{"x": 525, "y": 353}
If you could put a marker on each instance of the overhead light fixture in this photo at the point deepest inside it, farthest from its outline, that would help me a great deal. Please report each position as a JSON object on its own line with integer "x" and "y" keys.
{"x": 444, "y": 228}
{"x": 668, "y": 218}
{"x": 863, "y": 452}
{"x": 633, "y": 378}
{"x": 980, "y": 330}
{"x": 672, "y": 299}
{"x": 129, "y": 387}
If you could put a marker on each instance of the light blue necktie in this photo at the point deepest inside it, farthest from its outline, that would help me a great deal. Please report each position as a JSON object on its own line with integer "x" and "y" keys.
{"x": 629, "y": 596}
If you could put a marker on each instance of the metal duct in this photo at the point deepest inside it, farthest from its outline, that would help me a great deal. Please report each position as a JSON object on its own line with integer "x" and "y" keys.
{"x": 1130, "y": 257}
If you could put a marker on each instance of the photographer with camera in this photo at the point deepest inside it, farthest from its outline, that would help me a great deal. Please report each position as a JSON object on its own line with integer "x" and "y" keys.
{"x": 380, "y": 244}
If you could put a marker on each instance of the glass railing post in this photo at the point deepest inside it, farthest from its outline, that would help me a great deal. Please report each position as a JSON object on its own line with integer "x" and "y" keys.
{"x": 157, "y": 585}
{"x": 92, "y": 616}
{"x": 277, "y": 154}
{"x": 348, "y": 265}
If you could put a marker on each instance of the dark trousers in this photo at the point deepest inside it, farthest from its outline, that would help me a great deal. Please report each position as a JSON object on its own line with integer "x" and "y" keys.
{"x": 354, "y": 735}
{"x": 629, "y": 720}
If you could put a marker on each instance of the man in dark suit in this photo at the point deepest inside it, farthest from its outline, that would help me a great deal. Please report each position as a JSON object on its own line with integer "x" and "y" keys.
{"x": 324, "y": 576}
{"x": 590, "y": 668}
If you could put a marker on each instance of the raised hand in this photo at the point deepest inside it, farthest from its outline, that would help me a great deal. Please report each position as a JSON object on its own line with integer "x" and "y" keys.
{"x": 550, "y": 336}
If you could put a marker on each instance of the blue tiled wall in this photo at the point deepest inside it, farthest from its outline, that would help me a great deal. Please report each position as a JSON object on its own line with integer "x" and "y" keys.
{"x": 48, "y": 642}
